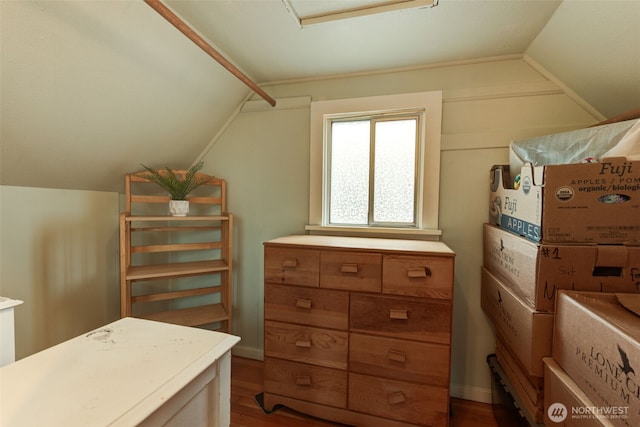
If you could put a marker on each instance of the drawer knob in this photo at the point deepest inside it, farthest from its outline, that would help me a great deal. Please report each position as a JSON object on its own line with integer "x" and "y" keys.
{"x": 397, "y": 356}
{"x": 415, "y": 273}
{"x": 303, "y": 343}
{"x": 349, "y": 268}
{"x": 396, "y": 398}
{"x": 398, "y": 314}
{"x": 303, "y": 303}
{"x": 303, "y": 380}
{"x": 289, "y": 263}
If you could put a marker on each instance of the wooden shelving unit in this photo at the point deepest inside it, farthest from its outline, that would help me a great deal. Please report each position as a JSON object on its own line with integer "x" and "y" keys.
{"x": 176, "y": 269}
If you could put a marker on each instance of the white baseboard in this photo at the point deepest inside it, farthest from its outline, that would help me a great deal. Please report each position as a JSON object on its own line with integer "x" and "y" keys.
{"x": 466, "y": 392}
{"x": 247, "y": 352}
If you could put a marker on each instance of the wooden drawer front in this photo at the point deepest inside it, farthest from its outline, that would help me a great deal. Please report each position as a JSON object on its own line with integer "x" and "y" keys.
{"x": 422, "y": 320}
{"x": 353, "y": 271}
{"x": 307, "y": 306}
{"x": 413, "y": 403}
{"x": 291, "y": 266}
{"x": 323, "y": 347}
{"x": 400, "y": 359}
{"x": 427, "y": 277}
{"x": 306, "y": 382}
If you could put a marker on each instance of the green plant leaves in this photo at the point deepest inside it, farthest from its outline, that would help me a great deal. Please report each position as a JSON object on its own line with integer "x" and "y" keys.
{"x": 177, "y": 187}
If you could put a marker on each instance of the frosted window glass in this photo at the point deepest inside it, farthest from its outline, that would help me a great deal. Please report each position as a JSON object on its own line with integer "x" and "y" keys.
{"x": 349, "y": 187}
{"x": 394, "y": 171}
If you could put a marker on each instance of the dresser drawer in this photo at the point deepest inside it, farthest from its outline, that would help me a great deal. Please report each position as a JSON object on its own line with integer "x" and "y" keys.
{"x": 306, "y": 306}
{"x": 353, "y": 271}
{"x": 427, "y": 277}
{"x": 402, "y": 401}
{"x": 293, "y": 266}
{"x": 422, "y": 320}
{"x": 323, "y": 347}
{"x": 400, "y": 359}
{"x": 306, "y": 382}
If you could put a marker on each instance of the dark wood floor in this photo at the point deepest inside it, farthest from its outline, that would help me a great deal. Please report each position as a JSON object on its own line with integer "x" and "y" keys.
{"x": 246, "y": 382}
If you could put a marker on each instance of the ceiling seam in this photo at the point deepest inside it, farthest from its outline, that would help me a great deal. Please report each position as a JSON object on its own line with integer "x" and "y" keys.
{"x": 567, "y": 90}
{"x": 224, "y": 127}
{"x": 444, "y": 64}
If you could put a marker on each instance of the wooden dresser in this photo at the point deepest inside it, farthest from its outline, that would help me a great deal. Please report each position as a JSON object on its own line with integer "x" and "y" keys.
{"x": 358, "y": 330}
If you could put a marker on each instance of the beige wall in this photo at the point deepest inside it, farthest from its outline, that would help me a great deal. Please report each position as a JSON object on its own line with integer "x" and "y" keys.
{"x": 264, "y": 155}
{"x": 58, "y": 254}
{"x": 59, "y": 248}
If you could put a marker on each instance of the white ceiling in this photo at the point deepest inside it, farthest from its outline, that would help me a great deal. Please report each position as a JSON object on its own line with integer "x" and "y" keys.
{"x": 265, "y": 41}
{"x": 103, "y": 85}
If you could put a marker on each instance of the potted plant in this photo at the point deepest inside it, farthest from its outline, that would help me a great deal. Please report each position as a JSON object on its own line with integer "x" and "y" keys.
{"x": 177, "y": 184}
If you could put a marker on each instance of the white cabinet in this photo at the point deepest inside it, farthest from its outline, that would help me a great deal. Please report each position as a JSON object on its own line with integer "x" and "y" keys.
{"x": 132, "y": 372}
{"x": 7, "y": 330}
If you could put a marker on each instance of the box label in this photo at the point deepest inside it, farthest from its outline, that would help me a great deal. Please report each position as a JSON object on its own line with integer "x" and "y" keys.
{"x": 520, "y": 227}
{"x": 596, "y": 342}
{"x": 613, "y": 379}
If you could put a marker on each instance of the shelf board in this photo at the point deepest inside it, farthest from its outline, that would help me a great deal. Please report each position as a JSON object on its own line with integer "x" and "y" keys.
{"x": 134, "y": 218}
{"x": 184, "y": 293}
{"x": 177, "y": 269}
{"x": 164, "y": 229}
{"x": 176, "y": 247}
{"x": 194, "y": 316}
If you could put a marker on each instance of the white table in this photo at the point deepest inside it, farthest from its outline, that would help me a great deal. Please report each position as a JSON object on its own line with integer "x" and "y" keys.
{"x": 7, "y": 330}
{"x": 130, "y": 372}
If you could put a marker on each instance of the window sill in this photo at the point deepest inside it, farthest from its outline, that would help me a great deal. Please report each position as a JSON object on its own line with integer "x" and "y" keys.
{"x": 389, "y": 233}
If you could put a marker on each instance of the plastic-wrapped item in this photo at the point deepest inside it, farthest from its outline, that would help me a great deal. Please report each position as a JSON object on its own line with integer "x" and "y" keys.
{"x": 629, "y": 145}
{"x": 584, "y": 145}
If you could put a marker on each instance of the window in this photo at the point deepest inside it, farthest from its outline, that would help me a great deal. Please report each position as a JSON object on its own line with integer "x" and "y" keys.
{"x": 371, "y": 176}
{"x": 375, "y": 164}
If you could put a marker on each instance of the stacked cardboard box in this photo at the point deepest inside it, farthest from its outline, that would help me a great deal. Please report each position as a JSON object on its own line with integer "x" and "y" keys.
{"x": 576, "y": 203}
{"x": 561, "y": 227}
{"x": 562, "y": 395}
{"x": 591, "y": 379}
{"x": 523, "y": 339}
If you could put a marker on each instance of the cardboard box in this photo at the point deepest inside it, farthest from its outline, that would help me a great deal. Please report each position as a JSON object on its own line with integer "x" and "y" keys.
{"x": 597, "y": 342}
{"x": 573, "y": 203}
{"x": 538, "y": 271}
{"x": 531, "y": 385}
{"x": 531, "y": 395}
{"x": 565, "y": 404}
{"x": 527, "y": 332}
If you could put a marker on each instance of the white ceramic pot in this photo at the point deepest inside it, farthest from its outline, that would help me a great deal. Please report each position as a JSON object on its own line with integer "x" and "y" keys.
{"x": 179, "y": 207}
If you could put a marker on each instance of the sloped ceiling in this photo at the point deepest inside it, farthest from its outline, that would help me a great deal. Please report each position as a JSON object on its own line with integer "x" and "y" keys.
{"x": 89, "y": 89}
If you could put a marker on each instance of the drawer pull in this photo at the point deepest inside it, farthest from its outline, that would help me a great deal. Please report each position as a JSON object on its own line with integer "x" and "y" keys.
{"x": 304, "y": 380}
{"x": 349, "y": 268}
{"x": 397, "y": 356}
{"x": 414, "y": 273}
{"x": 396, "y": 398}
{"x": 303, "y": 343}
{"x": 289, "y": 263}
{"x": 303, "y": 303}
{"x": 398, "y": 314}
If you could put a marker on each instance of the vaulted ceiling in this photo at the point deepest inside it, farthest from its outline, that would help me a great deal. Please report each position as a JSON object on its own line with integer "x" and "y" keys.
{"x": 89, "y": 89}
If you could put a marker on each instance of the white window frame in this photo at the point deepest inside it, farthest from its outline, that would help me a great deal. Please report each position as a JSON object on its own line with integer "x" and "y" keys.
{"x": 429, "y": 104}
